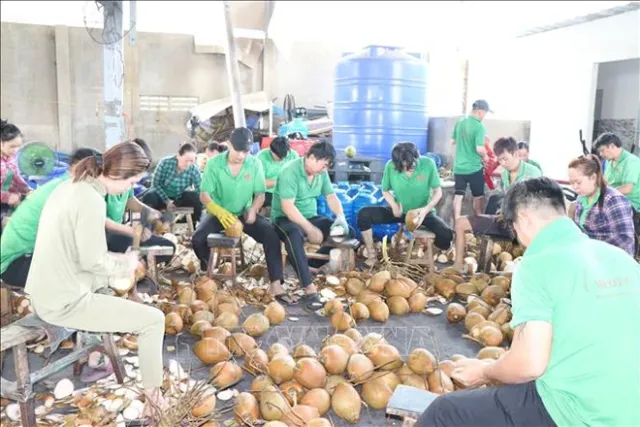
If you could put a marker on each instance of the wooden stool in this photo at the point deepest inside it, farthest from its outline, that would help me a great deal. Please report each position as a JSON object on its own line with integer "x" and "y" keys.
{"x": 409, "y": 403}
{"x": 427, "y": 237}
{"x": 188, "y": 212}
{"x": 15, "y": 336}
{"x": 485, "y": 257}
{"x": 217, "y": 243}
{"x": 151, "y": 252}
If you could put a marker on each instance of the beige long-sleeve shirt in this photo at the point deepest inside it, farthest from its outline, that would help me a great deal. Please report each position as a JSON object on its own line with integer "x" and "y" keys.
{"x": 70, "y": 259}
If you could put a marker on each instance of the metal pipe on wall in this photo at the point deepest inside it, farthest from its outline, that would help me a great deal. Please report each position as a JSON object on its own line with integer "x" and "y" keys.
{"x": 233, "y": 70}
{"x": 113, "y": 73}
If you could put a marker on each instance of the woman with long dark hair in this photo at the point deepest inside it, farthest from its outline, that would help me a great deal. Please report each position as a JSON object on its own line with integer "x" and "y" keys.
{"x": 602, "y": 212}
{"x": 14, "y": 187}
{"x": 71, "y": 262}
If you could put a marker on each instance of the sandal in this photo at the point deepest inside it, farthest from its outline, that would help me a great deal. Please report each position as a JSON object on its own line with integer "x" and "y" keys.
{"x": 312, "y": 302}
{"x": 285, "y": 299}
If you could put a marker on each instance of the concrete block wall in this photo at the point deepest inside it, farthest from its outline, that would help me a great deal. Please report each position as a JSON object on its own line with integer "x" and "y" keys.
{"x": 51, "y": 84}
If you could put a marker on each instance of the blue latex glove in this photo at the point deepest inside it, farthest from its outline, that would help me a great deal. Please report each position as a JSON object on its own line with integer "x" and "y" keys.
{"x": 341, "y": 221}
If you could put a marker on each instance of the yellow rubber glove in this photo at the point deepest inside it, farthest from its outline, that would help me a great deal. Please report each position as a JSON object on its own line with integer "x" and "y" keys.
{"x": 225, "y": 217}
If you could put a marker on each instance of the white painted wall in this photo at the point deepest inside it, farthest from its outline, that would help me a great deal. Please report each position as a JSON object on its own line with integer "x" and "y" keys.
{"x": 620, "y": 84}
{"x": 551, "y": 78}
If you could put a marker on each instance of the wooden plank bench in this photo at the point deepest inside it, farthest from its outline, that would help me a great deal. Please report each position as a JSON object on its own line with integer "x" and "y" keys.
{"x": 151, "y": 252}
{"x": 428, "y": 238}
{"x": 221, "y": 246}
{"x": 183, "y": 211}
{"x": 15, "y": 336}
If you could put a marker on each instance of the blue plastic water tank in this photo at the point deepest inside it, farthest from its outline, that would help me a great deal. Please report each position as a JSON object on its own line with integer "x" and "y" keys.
{"x": 380, "y": 99}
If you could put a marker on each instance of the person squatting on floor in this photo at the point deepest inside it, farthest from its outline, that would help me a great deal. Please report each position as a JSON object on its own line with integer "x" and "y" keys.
{"x": 295, "y": 212}
{"x": 19, "y": 236}
{"x": 574, "y": 358}
{"x": 176, "y": 183}
{"x": 233, "y": 187}
{"x": 415, "y": 183}
{"x": 71, "y": 262}
{"x": 513, "y": 170}
{"x": 468, "y": 142}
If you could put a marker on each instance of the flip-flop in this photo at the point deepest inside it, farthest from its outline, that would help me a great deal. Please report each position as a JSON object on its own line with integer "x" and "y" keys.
{"x": 92, "y": 375}
{"x": 285, "y": 299}
{"x": 312, "y": 302}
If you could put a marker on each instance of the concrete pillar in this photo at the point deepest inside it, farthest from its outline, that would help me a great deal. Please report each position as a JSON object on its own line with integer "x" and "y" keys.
{"x": 63, "y": 84}
{"x": 113, "y": 73}
{"x": 233, "y": 71}
{"x": 131, "y": 77}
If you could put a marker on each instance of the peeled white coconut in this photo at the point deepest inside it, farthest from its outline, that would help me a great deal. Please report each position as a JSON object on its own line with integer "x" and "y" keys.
{"x": 133, "y": 411}
{"x": 171, "y": 237}
{"x": 13, "y": 412}
{"x": 121, "y": 285}
{"x": 442, "y": 259}
{"x": 63, "y": 388}
{"x": 471, "y": 265}
{"x": 41, "y": 410}
{"x": 176, "y": 370}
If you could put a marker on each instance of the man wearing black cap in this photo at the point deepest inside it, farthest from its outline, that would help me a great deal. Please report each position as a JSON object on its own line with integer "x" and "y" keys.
{"x": 468, "y": 140}
{"x": 233, "y": 186}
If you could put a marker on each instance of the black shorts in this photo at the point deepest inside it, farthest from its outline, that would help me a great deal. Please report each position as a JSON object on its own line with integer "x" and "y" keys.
{"x": 490, "y": 225}
{"x": 474, "y": 180}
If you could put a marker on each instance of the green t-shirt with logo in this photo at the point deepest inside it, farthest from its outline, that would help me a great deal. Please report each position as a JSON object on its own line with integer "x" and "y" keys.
{"x": 469, "y": 134}
{"x": 589, "y": 291}
{"x": 534, "y": 163}
{"x": 271, "y": 167}
{"x": 293, "y": 183}
{"x": 233, "y": 193}
{"x": 117, "y": 205}
{"x": 625, "y": 171}
{"x": 19, "y": 237}
{"x": 525, "y": 171}
{"x": 414, "y": 191}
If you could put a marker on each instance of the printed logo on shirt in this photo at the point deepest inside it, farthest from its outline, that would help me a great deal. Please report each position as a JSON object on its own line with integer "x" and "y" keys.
{"x": 247, "y": 177}
{"x": 420, "y": 177}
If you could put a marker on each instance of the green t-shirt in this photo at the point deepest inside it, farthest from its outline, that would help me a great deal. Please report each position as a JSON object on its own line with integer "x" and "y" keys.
{"x": 234, "y": 193}
{"x": 534, "y": 163}
{"x": 469, "y": 134}
{"x": 587, "y": 206}
{"x": 117, "y": 205}
{"x": 19, "y": 237}
{"x": 525, "y": 171}
{"x": 413, "y": 191}
{"x": 293, "y": 183}
{"x": 271, "y": 167}
{"x": 625, "y": 171}
{"x": 589, "y": 291}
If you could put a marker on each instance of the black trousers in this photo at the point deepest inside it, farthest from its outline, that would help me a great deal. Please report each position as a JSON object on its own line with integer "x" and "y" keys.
{"x": 494, "y": 204}
{"x": 294, "y": 237}
{"x": 120, "y": 243}
{"x": 369, "y": 216}
{"x": 510, "y": 405}
{"x": 17, "y": 272}
{"x": 261, "y": 231}
{"x": 268, "y": 198}
{"x": 189, "y": 199}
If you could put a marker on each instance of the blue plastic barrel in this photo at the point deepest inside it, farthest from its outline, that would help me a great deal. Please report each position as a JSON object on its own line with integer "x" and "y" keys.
{"x": 436, "y": 158}
{"x": 380, "y": 98}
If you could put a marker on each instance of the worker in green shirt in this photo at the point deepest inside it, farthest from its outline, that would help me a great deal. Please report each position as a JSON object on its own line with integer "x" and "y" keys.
{"x": 416, "y": 188}
{"x": 120, "y": 235}
{"x": 523, "y": 152}
{"x": 622, "y": 169}
{"x": 576, "y": 321}
{"x": 176, "y": 182}
{"x": 273, "y": 159}
{"x": 295, "y": 211}
{"x": 233, "y": 190}
{"x": 19, "y": 237}
{"x": 513, "y": 170}
{"x": 468, "y": 141}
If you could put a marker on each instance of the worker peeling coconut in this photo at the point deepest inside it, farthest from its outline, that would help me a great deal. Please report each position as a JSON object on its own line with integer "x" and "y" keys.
{"x": 294, "y": 212}
{"x": 72, "y": 261}
{"x": 416, "y": 188}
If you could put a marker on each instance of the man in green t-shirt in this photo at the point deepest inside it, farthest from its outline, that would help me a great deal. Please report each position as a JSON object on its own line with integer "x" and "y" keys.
{"x": 523, "y": 152}
{"x": 273, "y": 159}
{"x": 416, "y": 188}
{"x": 233, "y": 190}
{"x": 120, "y": 235}
{"x": 295, "y": 211}
{"x": 468, "y": 141}
{"x": 622, "y": 169}
{"x": 575, "y": 355}
{"x": 19, "y": 237}
{"x": 513, "y": 170}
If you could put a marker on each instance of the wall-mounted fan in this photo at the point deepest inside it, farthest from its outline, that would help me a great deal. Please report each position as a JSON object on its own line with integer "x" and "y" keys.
{"x": 36, "y": 160}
